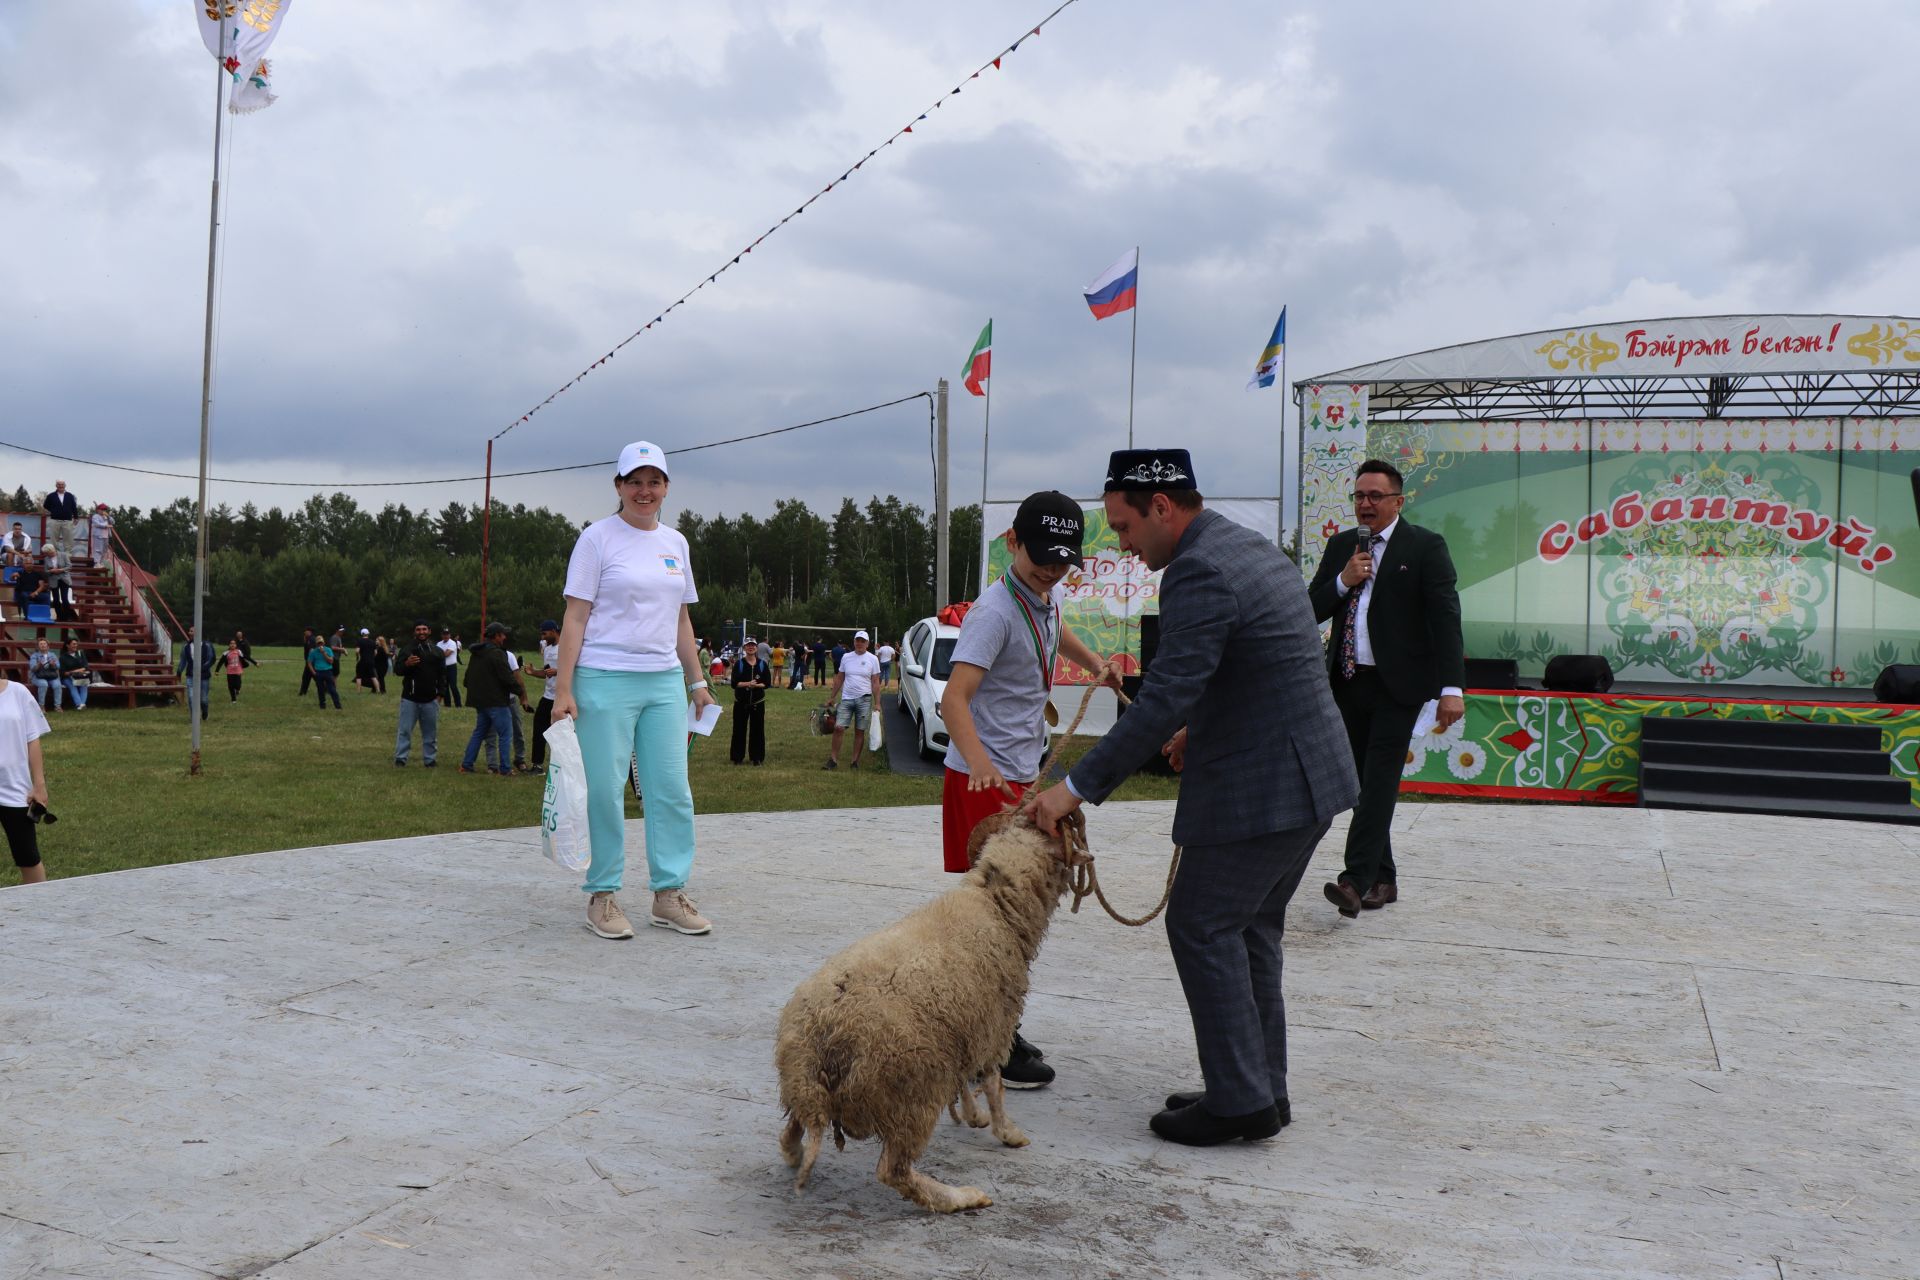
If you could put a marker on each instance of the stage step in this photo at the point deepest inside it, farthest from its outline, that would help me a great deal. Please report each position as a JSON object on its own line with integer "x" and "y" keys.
{"x": 1771, "y": 766}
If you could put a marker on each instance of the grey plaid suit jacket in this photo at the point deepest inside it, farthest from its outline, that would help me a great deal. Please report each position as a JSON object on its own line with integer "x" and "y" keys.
{"x": 1242, "y": 666}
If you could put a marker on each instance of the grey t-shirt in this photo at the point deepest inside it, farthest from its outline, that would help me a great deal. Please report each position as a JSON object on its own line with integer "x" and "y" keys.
{"x": 1009, "y": 707}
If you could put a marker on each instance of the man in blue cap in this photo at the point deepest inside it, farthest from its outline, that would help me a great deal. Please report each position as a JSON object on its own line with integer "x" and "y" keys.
{"x": 1237, "y": 699}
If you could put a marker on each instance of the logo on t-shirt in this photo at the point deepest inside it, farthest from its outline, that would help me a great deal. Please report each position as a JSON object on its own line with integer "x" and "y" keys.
{"x": 671, "y": 564}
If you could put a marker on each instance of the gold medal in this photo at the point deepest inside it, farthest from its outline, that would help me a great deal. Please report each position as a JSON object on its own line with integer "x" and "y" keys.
{"x": 1053, "y": 716}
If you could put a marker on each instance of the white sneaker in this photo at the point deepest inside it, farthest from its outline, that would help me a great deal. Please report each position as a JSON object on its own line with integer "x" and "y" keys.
{"x": 673, "y": 909}
{"x": 605, "y": 917}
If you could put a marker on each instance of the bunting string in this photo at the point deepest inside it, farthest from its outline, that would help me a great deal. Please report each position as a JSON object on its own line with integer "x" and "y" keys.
{"x": 498, "y": 475}
{"x": 991, "y": 64}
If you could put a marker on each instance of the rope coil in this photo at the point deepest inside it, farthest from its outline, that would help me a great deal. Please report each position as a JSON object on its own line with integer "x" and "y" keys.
{"x": 1074, "y": 851}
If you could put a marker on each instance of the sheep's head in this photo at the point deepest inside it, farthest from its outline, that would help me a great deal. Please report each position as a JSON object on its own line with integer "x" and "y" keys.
{"x": 1008, "y": 846}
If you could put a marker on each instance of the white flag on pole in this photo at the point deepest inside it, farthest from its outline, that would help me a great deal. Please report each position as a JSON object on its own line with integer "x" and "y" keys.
{"x": 251, "y": 27}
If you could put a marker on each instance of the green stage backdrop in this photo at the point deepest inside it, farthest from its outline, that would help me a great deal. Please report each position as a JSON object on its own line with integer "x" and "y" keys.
{"x": 1761, "y": 551}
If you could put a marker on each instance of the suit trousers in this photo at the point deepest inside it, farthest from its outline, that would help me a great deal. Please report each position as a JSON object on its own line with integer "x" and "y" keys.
{"x": 1224, "y": 922}
{"x": 1379, "y": 729}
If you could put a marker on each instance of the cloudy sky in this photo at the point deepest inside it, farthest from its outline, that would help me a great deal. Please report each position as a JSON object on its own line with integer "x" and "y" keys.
{"x": 455, "y": 207}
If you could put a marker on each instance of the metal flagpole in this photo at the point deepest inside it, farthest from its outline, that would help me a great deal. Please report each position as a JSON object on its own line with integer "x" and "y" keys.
{"x": 1286, "y": 392}
{"x": 486, "y": 539}
{"x": 196, "y": 675}
{"x": 1133, "y": 351}
{"x": 986, "y": 432}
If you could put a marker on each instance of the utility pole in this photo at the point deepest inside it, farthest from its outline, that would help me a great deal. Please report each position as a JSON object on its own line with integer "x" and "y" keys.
{"x": 940, "y": 515}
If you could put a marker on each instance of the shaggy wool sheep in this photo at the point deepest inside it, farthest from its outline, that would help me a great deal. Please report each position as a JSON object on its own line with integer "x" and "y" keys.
{"x": 892, "y": 1030}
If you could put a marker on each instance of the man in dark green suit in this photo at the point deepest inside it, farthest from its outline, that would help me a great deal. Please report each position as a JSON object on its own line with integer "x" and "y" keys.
{"x": 1388, "y": 586}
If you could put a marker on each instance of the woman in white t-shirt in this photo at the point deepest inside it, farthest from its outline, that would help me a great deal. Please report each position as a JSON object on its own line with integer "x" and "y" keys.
{"x": 626, "y": 644}
{"x": 23, "y": 776}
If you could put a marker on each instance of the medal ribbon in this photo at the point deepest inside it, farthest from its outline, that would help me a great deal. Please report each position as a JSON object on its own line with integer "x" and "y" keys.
{"x": 1039, "y": 644}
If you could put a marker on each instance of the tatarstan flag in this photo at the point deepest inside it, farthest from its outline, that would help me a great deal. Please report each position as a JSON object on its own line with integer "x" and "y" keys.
{"x": 979, "y": 366}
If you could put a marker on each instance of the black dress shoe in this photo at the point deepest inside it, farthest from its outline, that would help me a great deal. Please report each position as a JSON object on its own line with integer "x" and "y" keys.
{"x": 1177, "y": 1101}
{"x": 1196, "y": 1126}
{"x": 1380, "y": 895}
{"x": 1341, "y": 895}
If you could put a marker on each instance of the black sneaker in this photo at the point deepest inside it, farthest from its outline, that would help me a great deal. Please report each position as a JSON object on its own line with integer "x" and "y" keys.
{"x": 1026, "y": 1067}
{"x": 831, "y": 764}
{"x": 399, "y": 764}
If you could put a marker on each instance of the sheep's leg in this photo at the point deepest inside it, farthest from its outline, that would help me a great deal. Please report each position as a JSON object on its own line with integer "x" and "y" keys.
{"x": 790, "y": 1141}
{"x": 969, "y": 1111}
{"x": 797, "y": 1156}
{"x": 1004, "y": 1129}
{"x": 899, "y": 1150}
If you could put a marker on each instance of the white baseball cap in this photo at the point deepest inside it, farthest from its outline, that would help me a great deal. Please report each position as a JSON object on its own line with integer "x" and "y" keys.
{"x": 861, "y": 635}
{"x": 364, "y": 631}
{"x": 643, "y": 453}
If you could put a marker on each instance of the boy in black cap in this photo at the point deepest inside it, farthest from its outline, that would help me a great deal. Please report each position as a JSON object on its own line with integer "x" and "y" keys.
{"x": 996, "y": 705}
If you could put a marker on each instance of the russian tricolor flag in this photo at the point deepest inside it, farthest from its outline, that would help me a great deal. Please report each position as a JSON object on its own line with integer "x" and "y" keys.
{"x": 1113, "y": 292}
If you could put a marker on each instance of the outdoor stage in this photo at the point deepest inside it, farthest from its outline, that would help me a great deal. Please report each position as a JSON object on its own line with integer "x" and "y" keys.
{"x": 1535, "y": 744}
{"x": 1588, "y": 1044}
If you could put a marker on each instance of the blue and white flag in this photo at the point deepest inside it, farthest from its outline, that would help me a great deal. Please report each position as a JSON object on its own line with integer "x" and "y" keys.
{"x": 1269, "y": 366}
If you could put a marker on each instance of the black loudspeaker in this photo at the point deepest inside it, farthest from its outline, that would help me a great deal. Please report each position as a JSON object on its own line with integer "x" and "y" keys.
{"x": 1578, "y": 673}
{"x": 1157, "y": 763}
{"x": 1898, "y": 684}
{"x": 1493, "y": 673}
{"x": 1149, "y": 641}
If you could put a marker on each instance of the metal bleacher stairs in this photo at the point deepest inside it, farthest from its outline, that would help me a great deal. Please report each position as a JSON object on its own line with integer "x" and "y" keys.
{"x": 1787, "y": 767}
{"x": 130, "y": 667}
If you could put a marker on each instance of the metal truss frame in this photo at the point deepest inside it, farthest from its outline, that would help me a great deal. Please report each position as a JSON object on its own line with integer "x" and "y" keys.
{"x": 1864, "y": 394}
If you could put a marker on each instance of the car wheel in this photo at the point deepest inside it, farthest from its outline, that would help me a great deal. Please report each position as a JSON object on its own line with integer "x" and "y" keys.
{"x": 927, "y": 750}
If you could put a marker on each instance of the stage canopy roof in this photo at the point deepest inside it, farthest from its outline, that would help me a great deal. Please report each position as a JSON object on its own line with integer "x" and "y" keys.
{"x": 1796, "y": 366}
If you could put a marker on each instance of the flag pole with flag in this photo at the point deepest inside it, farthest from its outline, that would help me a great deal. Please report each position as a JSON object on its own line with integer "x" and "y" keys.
{"x": 977, "y": 377}
{"x": 238, "y": 33}
{"x": 1115, "y": 291}
{"x": 1273, "y": 360}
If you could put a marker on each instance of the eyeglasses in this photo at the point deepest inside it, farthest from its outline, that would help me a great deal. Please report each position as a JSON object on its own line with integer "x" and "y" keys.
{"x": 1362, "y": 496}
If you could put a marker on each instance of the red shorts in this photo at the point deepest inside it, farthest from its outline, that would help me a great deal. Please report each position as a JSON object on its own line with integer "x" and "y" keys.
{"x": 961, "y": 811}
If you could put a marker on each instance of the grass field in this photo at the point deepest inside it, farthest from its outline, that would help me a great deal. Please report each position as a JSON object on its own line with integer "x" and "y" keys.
{"x": 278, "y": 773}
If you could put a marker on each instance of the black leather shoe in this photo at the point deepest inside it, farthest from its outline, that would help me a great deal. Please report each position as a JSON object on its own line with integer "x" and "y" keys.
{"x": 1341, "y": 895}
{"x": 1196, "y": 1126}
{"x": 1177, "y": 1101}
{"x": 1382, "y": 894}
{"x": 1026, "y": 1067}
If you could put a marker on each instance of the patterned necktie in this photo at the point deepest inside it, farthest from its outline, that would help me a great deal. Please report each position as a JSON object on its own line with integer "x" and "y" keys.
{"x": 1348, "y": 643}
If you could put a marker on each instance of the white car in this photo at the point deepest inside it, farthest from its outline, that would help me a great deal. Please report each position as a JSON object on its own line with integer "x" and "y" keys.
{"x": 926, "y": 660}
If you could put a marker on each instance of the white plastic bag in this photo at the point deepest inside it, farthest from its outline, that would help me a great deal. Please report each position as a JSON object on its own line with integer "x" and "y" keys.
{"x": 876, "y": 731}
{"x": 563, "y": 812}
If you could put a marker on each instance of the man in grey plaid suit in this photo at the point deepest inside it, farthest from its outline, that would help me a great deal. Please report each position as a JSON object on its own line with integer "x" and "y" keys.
{"x": 1238, "y": 695}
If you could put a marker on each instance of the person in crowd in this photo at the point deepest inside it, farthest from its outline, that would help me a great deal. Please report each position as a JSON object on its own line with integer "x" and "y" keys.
{"x": 704, "y": 653}
{"x": 341, "y": 649}
{"x": 382, "y": 663}
{"x": 76, "y": 673}
{"x": 363, "y": 661}
{"x": 62, "y": 512}
{"x": 1237, "y": 688}
{"x": 818, "y": 655}
{"x": 43, "y": 669}
{"x": 449, "y": 668}
{"x": 241, "y": 643}
{"x": 323, "y": 661}
{"x": 492, "y": 687}
{"x": 777, "y": 660}
{"x": 885, "y": 654}
{"x": 1395, "y": 643}
{"x": 853, "y": 699}
{"x": 55, "y": 564}
{"x": 99, "y": 532}
{"x": 750, "y": 678}
{"x": 626, "y": 652}
{"x": 18, "y": 548}
{"x": 308, "y": 639}
{"x": 235, "y": 663}
{"x": 420, "y": 666}
{"x": 718, "y": 667}
{"x": 23, "y": 777}
{"x": 514, "y": 707}
{"x": 30, "y": 586}
{"x": 996, "y": 703}
{"x": 549, "y": 671}
{"x": 196, "y": 667}
{"x": 834, "y": 656}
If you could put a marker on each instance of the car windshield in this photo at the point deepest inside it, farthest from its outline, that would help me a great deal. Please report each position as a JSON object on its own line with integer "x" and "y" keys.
{"x": 943, "y": 658}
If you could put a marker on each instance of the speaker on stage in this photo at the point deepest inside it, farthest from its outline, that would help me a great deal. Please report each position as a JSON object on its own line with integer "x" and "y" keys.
{"x": 1898, "y": 684}
{"x": 1493, "y": 673}
{"x": 1579, "y": 673}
